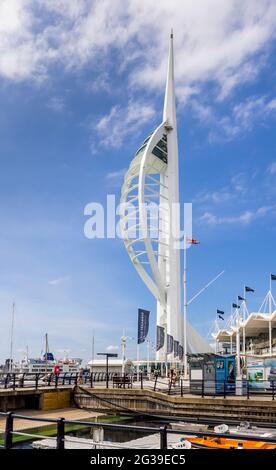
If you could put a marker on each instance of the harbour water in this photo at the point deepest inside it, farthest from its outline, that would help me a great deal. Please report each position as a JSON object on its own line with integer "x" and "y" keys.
{"x": 109, "y": 435}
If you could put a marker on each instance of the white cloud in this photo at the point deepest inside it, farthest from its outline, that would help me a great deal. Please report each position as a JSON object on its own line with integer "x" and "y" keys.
{"x": 115, "y": 177}
{"x": 243, "y": 219}
{"x": 272, "y": 168}
{"x": 112, "y": 347}
{"x": 57, "y": 104}
{"x": 121, "y": 122}
{"x": 236, "y": 187}
{"x": 59, "y": 280}
{"x": 240, "y": 118}
{"x": 214, "y": 40}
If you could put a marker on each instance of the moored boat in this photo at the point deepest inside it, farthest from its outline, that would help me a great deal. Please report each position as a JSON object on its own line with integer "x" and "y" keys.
{"x": 226, "y": 443}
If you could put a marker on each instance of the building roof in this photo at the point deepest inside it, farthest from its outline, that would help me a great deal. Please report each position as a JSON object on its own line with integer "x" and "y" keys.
{"x": 102, "y": 362}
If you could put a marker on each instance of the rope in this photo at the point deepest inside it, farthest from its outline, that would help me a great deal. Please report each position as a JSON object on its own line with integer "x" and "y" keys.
{"x": 187, "y": 419}
{"x": 127, "y": 410}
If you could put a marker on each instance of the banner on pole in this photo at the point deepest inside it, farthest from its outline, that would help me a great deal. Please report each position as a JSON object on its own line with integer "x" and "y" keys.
{"x": 180, "y": 352}
{"x": 175, "y": 348}
{"x": 143, "y": 325}
{"x": 160, "y": 337}
{"x": 169, "y": 344}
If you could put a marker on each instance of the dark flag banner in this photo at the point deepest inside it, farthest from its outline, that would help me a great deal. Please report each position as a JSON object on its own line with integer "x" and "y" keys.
{"x": 221, "y": 317}
{"x": 143, "y": 325}
{"x": 220, "y": 312}
{"x": 180, "y": 352}
{"x": 241, "y": 298}
{"x": 235, "y": 306}
{"x": 249, "y": 289}
{"x": 169, "y": 344}
{"x": 273, "y": 277}
{"x": 175, "y": 348}
{"x": 160, "y": 337}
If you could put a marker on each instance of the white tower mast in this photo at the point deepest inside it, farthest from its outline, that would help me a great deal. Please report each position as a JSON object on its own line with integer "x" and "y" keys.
{"x": 152, "y": 180}
{"x": 174, "y": 322}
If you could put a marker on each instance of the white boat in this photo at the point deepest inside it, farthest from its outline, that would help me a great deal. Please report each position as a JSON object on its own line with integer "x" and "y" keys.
{"x": 43, "y": 366}
{"x": 47, "y": 364}
{"x": 243, "y": 429}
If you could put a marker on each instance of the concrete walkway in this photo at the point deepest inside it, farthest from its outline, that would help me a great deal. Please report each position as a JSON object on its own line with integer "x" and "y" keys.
{"x": 74, "y": 414}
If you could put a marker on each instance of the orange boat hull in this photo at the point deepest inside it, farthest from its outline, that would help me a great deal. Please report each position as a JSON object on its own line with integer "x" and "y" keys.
{"x": 224, "y": 443}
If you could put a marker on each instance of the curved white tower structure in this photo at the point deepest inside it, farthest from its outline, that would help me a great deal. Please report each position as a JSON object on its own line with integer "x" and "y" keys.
{"x": 150, "y": 220}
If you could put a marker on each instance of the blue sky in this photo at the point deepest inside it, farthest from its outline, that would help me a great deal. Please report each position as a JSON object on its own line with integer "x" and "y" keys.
{"x": 81, "y": 84}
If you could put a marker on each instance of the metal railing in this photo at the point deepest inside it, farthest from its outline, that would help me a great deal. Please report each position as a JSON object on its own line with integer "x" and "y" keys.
{"x": 171, "y": 386}
{"x": 14, "y": 380}
{"x": 163, "y": 431}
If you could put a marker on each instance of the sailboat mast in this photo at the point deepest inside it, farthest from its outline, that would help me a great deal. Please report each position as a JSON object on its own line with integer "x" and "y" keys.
{"x": 46, "y": 352}
{"x": 11, "y": 339}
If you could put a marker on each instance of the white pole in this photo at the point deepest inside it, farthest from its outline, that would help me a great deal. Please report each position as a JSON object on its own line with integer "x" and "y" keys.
{"x": 166, "y": 350}
{"x": 137, "y": 367}
{"x": 231, "y": 345}
{"x": 11, "y": 342}
{"x": 92, "y": 354}
{"x": 270, "y": 295}
{"x": 123, "y": 343}
{"x": 238, "y": 352}
{"x": 148, "y": 358}
{"x": 270, "y": 313}
{"x": 270, "y": 337}
{"x": 185, "y": 309}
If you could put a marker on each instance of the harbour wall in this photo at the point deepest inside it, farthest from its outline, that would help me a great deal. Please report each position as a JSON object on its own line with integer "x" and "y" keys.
{"x": 41, "y": 399}
{"x": 140, "y": 401}
{"x": 148, "y": 401}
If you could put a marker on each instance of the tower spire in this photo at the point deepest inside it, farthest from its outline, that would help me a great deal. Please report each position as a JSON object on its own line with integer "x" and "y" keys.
{"x": 169, "y": 112}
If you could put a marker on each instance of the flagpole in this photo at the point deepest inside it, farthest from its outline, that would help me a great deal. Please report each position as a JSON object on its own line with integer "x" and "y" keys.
{"x": 270, "y": 294}
{"x": 137, "y": 367}
{"x": 185, "y": 308}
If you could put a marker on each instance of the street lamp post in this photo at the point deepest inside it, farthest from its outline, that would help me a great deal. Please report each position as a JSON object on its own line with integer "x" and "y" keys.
{"x": 107, "y": 356}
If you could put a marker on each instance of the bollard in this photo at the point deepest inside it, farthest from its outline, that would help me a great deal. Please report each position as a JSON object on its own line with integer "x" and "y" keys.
{"x": 202, "y": 388}
{"x": 155, "y": 383}
{"x": 163, "y": 438}
{"x": 247, "y": 390}
{"x": 273, "y": 390}
{"x": 7, "y": 378}
{"x": 8, "y": 431}
{"x": 181, "y": 385}
{"x": 142, "y": 385}
{"x": 60, "y": 433}
{"x": 91, "y": 380}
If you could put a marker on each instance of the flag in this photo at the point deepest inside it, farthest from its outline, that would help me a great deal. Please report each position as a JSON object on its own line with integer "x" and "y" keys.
{"x": 180, "y": 352}
{"x": 192, "y": 241}
{"x": 220, "y": 312}
{"x": 160, "y": 337}
{"x": 241, "y": 298}
{"x": 143, "y": 325}
{"x": 169, "y": 344}
{"x": 175, "y": 348}
{"x": 249, "y": 289}
{"x": 273, "y": 277}
{"x": 221, "y": 317}
{"x": 235, "y": 306}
